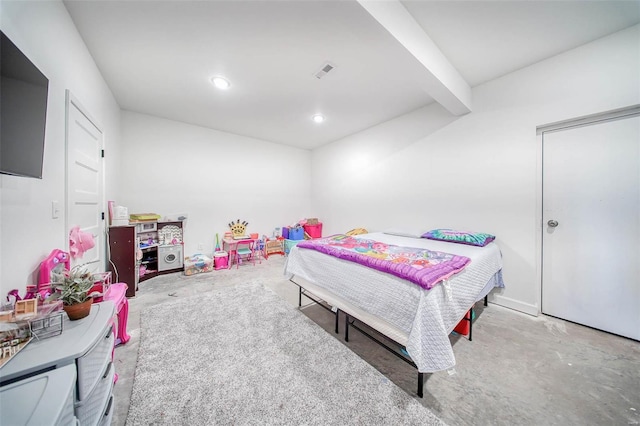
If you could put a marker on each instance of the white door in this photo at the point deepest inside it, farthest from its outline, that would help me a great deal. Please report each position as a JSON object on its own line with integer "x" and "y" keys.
{"x": 85, "y": 205}
{"x": 591, "y": 225}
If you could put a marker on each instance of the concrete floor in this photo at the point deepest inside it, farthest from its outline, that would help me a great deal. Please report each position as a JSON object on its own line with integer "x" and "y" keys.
{"x": 517, "y": 370}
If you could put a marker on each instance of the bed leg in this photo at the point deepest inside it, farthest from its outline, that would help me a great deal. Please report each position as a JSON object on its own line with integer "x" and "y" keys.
{"x": 420, "y": 384}
{"x": 337, "y": 318}
{"x": 299, "y": 297}
{"x": 486, "y": 300}
{"x": 346, "y": 327}
{"x": 470, "y": 324}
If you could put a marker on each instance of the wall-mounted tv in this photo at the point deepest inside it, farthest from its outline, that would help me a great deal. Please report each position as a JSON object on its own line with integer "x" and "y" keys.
{"x": 23, "y": 112}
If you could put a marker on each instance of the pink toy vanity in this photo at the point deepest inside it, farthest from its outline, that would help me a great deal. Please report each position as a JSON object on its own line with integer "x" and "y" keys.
{"x": 57, "y": 262}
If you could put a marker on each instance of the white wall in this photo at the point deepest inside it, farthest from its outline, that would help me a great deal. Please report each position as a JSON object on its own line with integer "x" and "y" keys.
{"x": 478, "y": 172}
{"x": 168, "y": 167}
{"x": 46, "y": 34}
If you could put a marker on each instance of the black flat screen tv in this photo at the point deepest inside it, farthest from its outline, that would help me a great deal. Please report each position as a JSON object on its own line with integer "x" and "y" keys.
{"x": 23, "y": 112}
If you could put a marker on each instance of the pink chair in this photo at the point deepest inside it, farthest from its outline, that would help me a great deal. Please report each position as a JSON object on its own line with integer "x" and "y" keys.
{"x": 116, "y": 293}
{"x": 232, "y": 254}
{"x": 245, "y": 251}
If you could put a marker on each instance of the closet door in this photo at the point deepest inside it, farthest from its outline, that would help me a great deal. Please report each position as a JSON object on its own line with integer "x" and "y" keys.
{"x": 85, "y": 188}
{"x": 591, "y": 225}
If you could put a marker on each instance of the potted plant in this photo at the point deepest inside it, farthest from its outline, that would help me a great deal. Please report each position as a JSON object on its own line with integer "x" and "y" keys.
{"x": 72, "y": 287}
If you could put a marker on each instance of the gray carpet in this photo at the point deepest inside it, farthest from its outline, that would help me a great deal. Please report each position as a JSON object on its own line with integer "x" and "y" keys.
{"x": 241, "y": 356}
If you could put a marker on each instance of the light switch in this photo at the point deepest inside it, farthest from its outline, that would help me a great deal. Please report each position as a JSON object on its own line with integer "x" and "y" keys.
{"x": 55, "y": 209}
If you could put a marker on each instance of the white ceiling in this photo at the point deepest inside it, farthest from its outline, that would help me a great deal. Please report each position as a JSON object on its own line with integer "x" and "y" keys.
{"x": 157, "y": 56}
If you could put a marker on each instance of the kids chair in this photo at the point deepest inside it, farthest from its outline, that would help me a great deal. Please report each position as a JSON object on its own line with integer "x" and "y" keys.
{"x": 258, "y": 249}
{"x": 244, "y": 251}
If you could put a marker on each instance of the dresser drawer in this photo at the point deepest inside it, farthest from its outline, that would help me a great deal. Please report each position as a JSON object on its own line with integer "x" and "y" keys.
{"x": 91, "y": 411}
{"x": 108, "y": 412}
{"x": 43, "y": 399}
{"x": 92, "y": 365}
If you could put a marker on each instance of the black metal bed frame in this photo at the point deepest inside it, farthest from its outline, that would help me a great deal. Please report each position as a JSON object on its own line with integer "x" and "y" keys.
{"x": 351, "y": 321}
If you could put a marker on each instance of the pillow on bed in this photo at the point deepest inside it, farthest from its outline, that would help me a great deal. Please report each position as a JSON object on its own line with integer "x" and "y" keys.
{"x": 404, "y": 232}
{"x": 452, "y": 236}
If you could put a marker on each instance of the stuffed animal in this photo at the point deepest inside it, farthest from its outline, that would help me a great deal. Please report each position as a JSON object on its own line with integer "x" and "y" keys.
{"x": 80, "y": 242}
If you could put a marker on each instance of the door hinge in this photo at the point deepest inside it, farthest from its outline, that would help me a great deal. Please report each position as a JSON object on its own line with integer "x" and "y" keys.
{"x": 102, "y": 153}
{"x": 102, "y": 215}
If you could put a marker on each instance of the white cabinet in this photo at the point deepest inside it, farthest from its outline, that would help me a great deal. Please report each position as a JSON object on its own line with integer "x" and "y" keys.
{"x": 82, "y": 356}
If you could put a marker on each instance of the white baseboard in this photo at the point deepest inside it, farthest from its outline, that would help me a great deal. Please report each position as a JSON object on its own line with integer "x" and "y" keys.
{"x": 515, "y": 305}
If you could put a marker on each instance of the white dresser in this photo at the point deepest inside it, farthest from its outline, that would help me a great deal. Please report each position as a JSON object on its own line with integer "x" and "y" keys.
{"x": 63, "y": 380}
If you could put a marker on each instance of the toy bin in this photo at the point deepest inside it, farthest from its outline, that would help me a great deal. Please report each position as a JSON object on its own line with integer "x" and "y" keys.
{"x": 197, "y": 264}
{"x": 285, "y": 232}
{"x": 463, "y": 325}
{"x": 296, "y": 233}
{"x": 314, "y": 231}
{"x": 289, "y": 244}
{"x": 221, "y": 260}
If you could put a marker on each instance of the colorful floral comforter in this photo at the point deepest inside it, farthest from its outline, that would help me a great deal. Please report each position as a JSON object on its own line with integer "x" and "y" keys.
{"x": 420, "y": 266}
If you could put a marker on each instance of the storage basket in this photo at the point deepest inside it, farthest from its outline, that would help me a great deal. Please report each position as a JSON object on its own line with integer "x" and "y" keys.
{"x": 314, "y": 231}
{"x": 296, "y": 233}
{"x": 197, "y": 264}
{"x": 47, "y": 326}
{"x": 463, "y": 325}
{"x": 289, "y": 244}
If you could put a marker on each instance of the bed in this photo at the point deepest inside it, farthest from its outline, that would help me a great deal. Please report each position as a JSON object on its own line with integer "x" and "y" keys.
{"x": 418, "y": 319}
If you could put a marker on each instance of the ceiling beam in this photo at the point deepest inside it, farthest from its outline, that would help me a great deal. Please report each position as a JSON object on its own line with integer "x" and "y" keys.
{"x": 440, "y": 79}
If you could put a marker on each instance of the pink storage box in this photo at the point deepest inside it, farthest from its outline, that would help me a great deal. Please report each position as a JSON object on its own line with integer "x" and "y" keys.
{"x": 221, "y": 260}
{"x": 314, "y": 231}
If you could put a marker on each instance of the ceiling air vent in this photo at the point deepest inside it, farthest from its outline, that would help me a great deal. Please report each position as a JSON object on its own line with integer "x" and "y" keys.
{"x": 324, "y": 70}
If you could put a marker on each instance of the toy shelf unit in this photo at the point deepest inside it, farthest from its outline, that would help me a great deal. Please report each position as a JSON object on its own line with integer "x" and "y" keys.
{"x": 273, "y": 246}
{"x": 147, "y": 236}
{"x": 123, "y": 256}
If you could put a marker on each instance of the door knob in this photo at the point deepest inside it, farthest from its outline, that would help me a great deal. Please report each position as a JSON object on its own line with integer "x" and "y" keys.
{"x": 552, "y": 223}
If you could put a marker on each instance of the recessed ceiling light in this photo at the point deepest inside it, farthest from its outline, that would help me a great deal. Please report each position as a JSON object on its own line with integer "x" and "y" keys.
{"x": 220, "y": 82}
{"x": 318, "y": 118}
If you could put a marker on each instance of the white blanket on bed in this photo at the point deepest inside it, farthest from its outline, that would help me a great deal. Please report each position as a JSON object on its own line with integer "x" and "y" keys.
{"x": 425, "y": 316}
